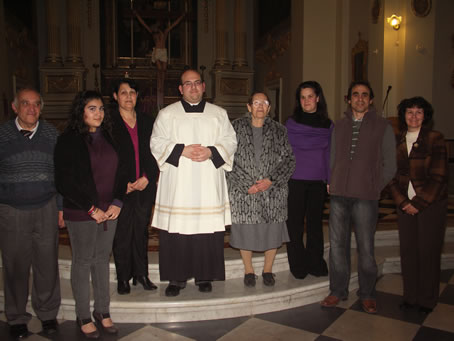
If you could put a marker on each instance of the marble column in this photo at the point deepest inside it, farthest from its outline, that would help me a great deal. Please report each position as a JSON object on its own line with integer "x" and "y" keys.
{"x": 73, "y": 18}
{"x": 222, "y": 61}
{"x": 239, "y": 52}
{"x": 60, "y": 83}
{"x": 53, "y": 33}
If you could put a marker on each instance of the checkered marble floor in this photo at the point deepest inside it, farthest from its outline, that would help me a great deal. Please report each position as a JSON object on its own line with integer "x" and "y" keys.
{"x": 310, "y": 322}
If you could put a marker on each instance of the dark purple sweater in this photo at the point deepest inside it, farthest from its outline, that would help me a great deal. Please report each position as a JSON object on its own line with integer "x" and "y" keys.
{"x": 104, "y": 162}
{"x": 311, "y": 147}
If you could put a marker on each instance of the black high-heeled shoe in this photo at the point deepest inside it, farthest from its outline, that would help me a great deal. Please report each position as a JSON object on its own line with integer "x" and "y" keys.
{"x": 99, "y": 317}
{"x": 145, "y": 281}
{"x": 92, "y": 335}
{"x": 123, "y": 287}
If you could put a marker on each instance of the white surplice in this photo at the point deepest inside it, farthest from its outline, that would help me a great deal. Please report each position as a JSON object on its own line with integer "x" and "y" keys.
{"x": 193, "y": 197}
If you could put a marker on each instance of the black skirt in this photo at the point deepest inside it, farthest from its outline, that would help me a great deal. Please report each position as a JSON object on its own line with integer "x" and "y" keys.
{"x": 199, "y": 256}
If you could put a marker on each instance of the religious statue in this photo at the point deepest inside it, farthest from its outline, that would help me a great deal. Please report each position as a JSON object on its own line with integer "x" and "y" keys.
{"x": 159, "y": 33}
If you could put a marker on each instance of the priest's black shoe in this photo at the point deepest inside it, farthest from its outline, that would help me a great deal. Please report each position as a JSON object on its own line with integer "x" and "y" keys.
{"x": 18, "y": 331}
{"x": 123, "y": 287}
{"x": 173, "y": 290}
{"x": 145, "y": 281}
{"x": 205, "y": 287}
{"x": 49, "y": 326}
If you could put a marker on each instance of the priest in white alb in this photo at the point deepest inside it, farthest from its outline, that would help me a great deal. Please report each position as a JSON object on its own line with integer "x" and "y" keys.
{"x": 193, "y": 143}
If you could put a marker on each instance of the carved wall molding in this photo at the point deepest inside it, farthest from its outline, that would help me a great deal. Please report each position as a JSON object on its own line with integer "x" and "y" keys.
{"x": 235, "y": 86}
{"x": 58, "y": 88}
{"x": 232, "y": 89}
{"x": 62, "y": 84}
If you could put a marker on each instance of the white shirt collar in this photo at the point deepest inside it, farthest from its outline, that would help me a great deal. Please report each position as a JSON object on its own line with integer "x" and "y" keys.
{"x": 18, "y": 126}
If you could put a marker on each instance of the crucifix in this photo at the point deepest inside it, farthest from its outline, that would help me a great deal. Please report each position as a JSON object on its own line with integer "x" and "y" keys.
{"x": 159, "y": 34}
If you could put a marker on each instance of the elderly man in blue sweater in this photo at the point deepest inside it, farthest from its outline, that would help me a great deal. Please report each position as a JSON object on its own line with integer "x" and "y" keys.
{"x": 29, "y": 215}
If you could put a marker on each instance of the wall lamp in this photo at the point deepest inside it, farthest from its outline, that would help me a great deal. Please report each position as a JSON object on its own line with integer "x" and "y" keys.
{"x": 394, "y": 21}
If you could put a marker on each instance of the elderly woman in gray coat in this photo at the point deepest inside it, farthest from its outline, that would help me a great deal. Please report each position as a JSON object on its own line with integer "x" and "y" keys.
{"x": 258, "y": 189}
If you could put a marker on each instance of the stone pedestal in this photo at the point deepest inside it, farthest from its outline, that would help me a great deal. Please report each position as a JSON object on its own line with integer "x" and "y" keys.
{"x": 232, "y": 90}
{"x": 58, "y": 88}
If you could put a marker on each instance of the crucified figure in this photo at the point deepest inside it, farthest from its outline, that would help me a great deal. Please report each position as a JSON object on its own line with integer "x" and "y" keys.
{"x": 159, "y": 52}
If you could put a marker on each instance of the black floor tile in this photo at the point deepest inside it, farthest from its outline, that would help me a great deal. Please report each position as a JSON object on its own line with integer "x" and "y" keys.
{"x": 426, "y": 334}
{"x": 312, "y": 318}
{"x": 202, "y": 330}
{"x": 388, "y": 306}
{"x": 447, "y": 296}
{"x": 445, "y": 275}
{"x": 326, "y": 338}
{"x": 70, "y": 331}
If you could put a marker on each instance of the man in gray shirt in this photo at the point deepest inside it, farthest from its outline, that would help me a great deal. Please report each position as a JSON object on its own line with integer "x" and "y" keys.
{"x": 363, "y": 161}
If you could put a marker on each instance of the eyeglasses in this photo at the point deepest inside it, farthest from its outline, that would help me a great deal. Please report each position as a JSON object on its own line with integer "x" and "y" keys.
{"x": 190, "y": 84}
{"x": 256, "y": 103}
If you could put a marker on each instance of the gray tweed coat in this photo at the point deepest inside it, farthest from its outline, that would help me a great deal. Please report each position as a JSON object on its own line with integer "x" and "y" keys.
{"x": 276, "y": 163}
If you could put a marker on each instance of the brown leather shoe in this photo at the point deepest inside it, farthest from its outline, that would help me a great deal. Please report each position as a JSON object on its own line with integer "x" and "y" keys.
{"x": 369, "y": 306}
{"x": 330, "y": 301}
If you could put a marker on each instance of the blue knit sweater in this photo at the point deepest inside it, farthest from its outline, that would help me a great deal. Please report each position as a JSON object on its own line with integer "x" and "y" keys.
{"x": 27, "y": 166}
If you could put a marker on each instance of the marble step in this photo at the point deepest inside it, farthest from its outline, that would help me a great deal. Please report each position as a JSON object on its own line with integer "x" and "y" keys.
{"x": 231, "y": 298}
{"x": 233, "y": 263}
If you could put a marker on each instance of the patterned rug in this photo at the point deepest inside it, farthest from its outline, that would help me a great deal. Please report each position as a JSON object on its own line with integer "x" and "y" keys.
{"x": 387, "y": 218}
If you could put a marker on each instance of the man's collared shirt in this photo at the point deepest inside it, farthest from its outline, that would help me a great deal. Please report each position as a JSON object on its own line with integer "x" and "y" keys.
{"x": 33, "y": 130}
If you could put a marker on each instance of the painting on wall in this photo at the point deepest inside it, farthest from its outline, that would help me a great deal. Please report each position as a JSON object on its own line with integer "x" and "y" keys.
{"x": 421, "y": 8}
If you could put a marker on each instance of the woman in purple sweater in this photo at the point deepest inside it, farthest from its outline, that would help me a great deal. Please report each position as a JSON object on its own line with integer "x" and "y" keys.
{"x": 309, "y": 133}
{"x": 93, "y": 184}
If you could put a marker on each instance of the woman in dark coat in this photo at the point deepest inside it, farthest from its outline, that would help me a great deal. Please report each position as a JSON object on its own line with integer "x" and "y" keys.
{"x": 92, "y": 182}
{"x": 420, "y": 190}
{"x": 258, "y": 190}
{"x": 132, "y": 132}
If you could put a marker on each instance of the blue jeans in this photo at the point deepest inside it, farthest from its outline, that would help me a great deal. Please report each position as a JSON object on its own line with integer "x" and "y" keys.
{"x": 362, "y": 215}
